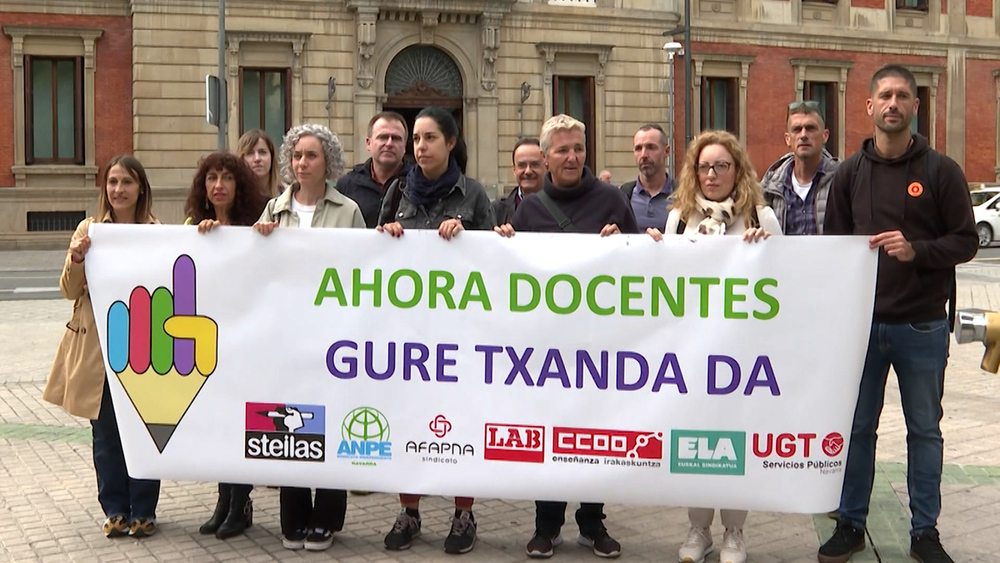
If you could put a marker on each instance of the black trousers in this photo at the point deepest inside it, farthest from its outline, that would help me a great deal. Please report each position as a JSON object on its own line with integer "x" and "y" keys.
{"x": 299, "y": 512}
{"x": 551, "y": 515}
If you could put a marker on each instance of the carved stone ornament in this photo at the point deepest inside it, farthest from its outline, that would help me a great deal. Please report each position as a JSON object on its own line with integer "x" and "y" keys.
{"x": 367, "y": 18}
{"x": 491, "y": 46}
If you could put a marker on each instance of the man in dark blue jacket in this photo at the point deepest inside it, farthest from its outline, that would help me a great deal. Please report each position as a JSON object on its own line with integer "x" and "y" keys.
{"x": 367, "y": 182}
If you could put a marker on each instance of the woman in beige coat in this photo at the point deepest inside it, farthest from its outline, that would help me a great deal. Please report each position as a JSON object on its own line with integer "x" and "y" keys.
{"x": 78, "y": 382}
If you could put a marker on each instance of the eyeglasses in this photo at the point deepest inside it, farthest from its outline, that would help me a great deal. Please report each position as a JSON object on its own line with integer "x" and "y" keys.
{"x": 803, "y": 104}
{"x": 720, "y": 167}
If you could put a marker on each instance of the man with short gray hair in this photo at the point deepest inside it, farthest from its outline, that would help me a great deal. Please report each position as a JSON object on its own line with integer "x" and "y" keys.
{"x": 571, "y": 200}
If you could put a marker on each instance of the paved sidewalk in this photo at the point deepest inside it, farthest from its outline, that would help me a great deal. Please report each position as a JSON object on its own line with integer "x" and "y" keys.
{"x": 49, "y": 509}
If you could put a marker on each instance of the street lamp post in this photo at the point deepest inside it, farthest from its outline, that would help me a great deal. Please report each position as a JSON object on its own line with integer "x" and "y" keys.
{"x": 223, "y": 108}
{"x": 672, "y": 48}
{"x": 686, "y": 30}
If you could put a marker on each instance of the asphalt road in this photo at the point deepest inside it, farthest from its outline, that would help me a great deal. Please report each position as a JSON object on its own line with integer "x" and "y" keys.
{"x": 44, "y": 284}
{"x": 29, "y": 284}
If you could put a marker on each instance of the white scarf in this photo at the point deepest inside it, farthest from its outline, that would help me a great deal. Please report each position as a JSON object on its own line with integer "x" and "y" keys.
{"x": 718, "y": 214}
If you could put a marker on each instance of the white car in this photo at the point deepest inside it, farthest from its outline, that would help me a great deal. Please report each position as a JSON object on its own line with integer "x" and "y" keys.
{"x": 986, "y": 211}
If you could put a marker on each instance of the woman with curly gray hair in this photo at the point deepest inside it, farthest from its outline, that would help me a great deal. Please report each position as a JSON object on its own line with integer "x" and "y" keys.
{"x": 311, "y": 161}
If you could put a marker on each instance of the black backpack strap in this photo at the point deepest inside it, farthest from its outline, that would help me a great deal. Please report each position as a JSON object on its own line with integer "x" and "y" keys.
{"x": 629, "y": 189}
{"x": 681, "y": 225}
{"x": 754, "y": 218}
{"x": 564, "y": 223}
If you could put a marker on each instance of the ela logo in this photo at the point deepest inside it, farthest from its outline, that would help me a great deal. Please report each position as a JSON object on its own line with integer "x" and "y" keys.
{"x": 285, "y": 431}
{"x": 708, "y": 452}
{"x": 365, "y": 433}
{"x": 162, "y": 350}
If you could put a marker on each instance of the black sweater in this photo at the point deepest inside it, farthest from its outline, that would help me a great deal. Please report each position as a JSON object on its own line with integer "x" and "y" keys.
{"x": 871, "y": 194}
{"x": 590, "y": 205}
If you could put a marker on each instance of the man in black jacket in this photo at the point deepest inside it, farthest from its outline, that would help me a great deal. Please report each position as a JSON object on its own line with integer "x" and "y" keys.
{"x": 914, "y": 204}
{"x": 367, "y": 182}
{"x": 529, "y": 168}
{"x": 572, "y": 199}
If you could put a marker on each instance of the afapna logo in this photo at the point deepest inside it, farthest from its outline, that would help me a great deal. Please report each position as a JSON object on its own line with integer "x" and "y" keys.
{"x": 161, "y": 333}
{"x": 708, "y": 452}
{"x": 285, "y": 431}
{"x": 515, "y": 442}
{"x": 365, "y": 433}
{"x": 440, "y": 451}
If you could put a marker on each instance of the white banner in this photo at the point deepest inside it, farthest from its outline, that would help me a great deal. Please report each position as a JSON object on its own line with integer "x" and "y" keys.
{"x": 690, "y": 372}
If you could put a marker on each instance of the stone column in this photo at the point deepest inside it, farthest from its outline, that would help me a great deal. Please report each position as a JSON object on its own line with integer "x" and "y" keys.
{"x": 955, "y": 112}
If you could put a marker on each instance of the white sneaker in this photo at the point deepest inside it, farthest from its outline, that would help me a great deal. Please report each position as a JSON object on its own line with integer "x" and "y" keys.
{"x": 697, "y": 545}
{"x": 734, "y": 547}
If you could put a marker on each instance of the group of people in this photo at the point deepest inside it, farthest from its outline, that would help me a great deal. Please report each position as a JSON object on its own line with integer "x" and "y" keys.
{"x": 911, "y": 201}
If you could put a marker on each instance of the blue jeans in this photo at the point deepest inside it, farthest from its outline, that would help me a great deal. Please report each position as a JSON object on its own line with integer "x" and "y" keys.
{"x": 116, "y": 491}
{"x": 918, "y": 353}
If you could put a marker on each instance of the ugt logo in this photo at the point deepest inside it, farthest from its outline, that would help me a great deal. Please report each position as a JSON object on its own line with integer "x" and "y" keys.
{"x": 365, "y": 433}
{"x": 285, "y": 431}
{"x": 708, "y": 452}
{"x": 163, "y": 333}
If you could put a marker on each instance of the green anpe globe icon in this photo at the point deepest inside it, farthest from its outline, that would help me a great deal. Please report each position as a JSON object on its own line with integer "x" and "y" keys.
{"x": 365, "y": 424}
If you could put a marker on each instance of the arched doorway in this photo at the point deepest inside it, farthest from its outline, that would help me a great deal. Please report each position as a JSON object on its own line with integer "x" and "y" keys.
{"x": 421, "y": 76}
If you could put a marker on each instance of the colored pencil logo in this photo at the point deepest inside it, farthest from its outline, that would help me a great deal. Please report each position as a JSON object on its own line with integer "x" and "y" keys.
{"x": 162, "y": 350}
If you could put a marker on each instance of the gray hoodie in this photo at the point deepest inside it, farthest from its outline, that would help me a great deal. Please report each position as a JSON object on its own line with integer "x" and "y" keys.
{"x": 774, "y": 186}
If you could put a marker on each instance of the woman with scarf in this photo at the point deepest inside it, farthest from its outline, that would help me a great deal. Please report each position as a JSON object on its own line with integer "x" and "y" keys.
{"x": 435, "y": 194}
{"x": 718, "y": 194}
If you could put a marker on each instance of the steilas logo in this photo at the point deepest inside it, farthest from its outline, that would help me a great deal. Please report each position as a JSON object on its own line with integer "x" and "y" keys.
{"x": 285, "y": 432}
{"x": 515, "y": 442}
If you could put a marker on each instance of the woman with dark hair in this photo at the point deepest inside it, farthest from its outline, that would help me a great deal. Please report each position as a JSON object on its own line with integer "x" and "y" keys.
{"x": 436, "y": 194}
{"x": 78, "y": 382}
{"x": 225, "y": 191}
{"x": 258, "y": 151}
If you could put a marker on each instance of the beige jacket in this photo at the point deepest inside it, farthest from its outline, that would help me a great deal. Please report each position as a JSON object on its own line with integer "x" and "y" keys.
{"x": 76, "y": 382}
{"x": 334, "y": 210}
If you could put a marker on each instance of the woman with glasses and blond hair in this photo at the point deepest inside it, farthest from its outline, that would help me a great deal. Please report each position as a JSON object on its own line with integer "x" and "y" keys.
{"x": 718, "y": 194}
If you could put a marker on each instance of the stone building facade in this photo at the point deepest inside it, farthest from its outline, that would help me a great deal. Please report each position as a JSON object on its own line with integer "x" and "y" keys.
{"x": 129, "y": 76}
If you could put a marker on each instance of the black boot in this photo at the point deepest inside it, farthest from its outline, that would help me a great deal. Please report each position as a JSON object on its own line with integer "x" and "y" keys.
{"x": 240, "y": 515}
{"x": 221, "y": 510}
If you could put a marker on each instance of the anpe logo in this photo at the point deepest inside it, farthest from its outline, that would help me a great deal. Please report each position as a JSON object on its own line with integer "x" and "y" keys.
{"x": 365, "y": 433}
{"x": 515, "y": 442}
{"x": 438, "y": 451}
{"x": 285, "y": 432}
{"x": 798, "y": 451}
{"x": 708, "y": 452}
{"x": 440, "y": 426}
